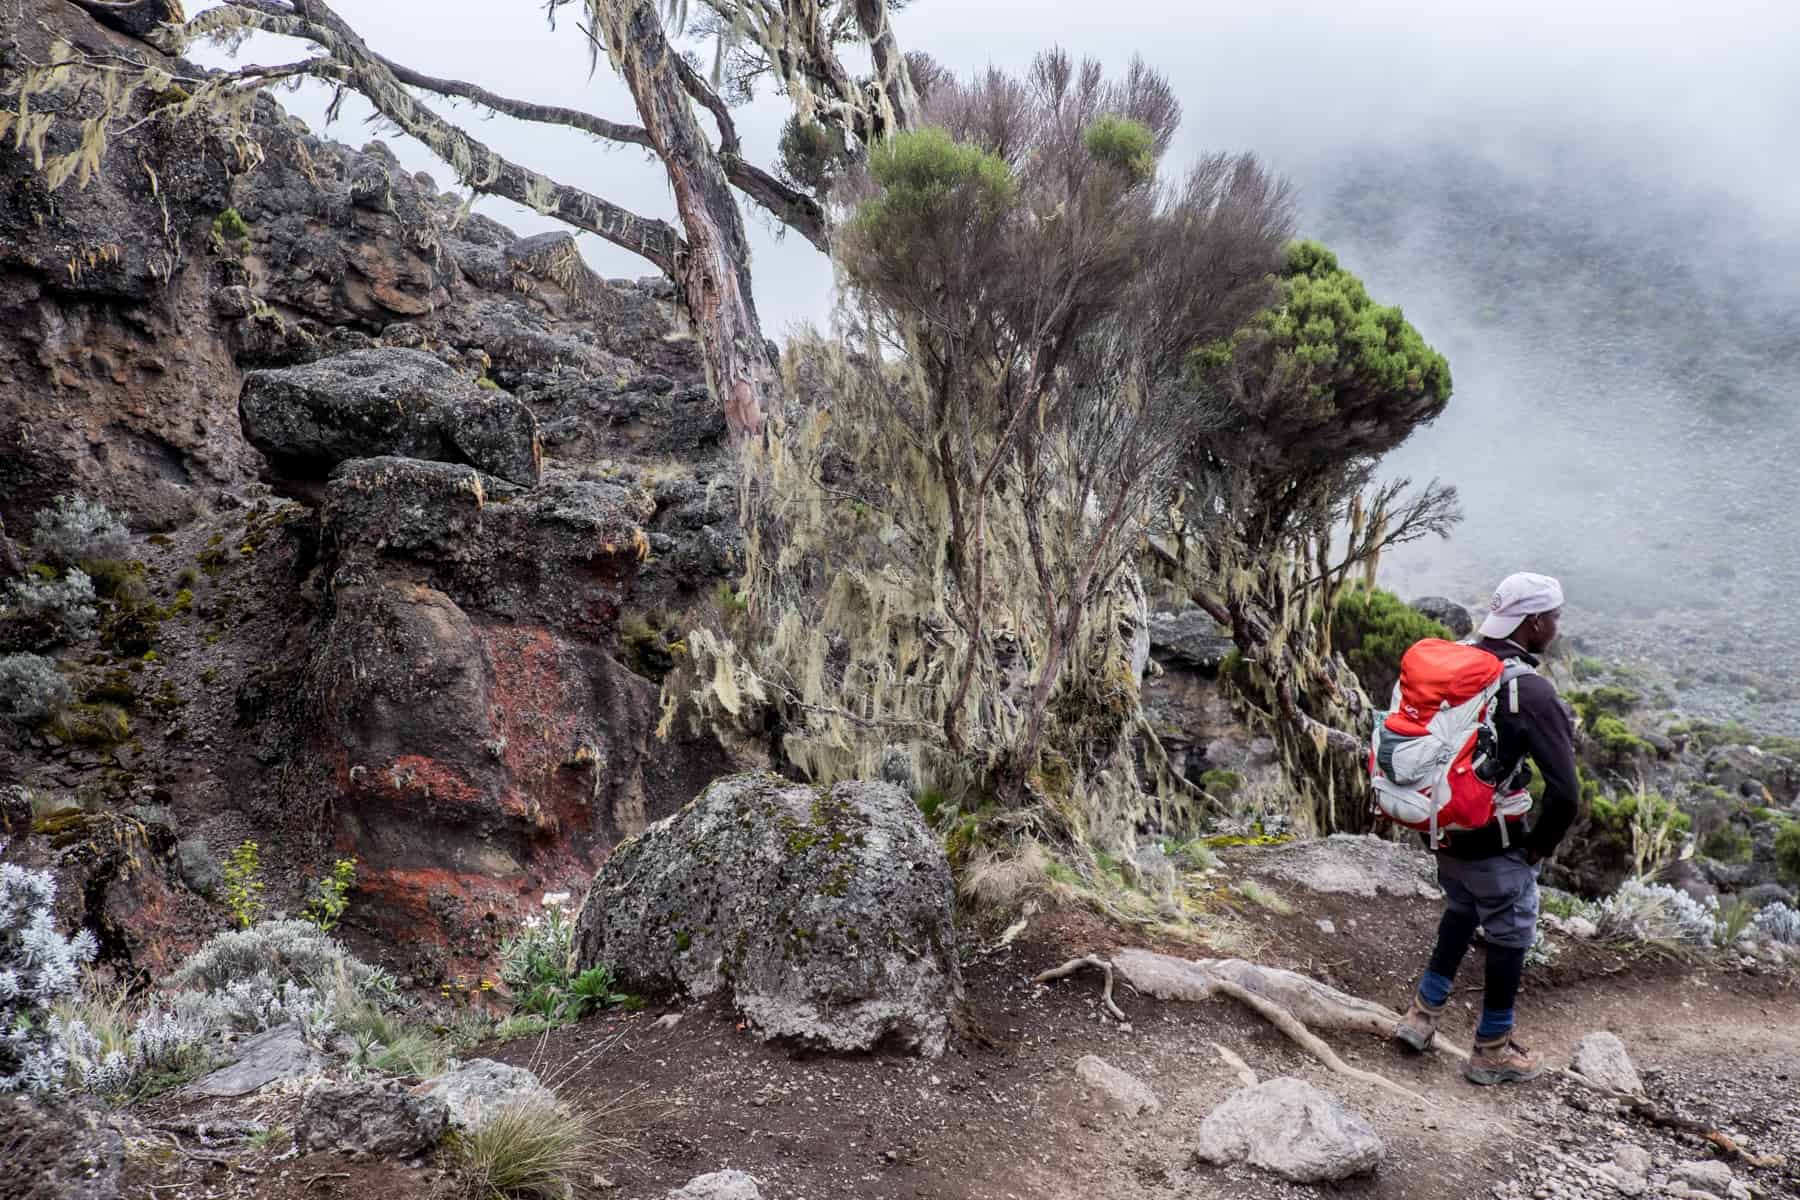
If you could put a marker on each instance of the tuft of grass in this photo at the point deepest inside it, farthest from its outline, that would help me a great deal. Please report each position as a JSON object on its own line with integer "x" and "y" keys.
{"x": 1261, "y": 896}
{"x": 530, "y": 1150}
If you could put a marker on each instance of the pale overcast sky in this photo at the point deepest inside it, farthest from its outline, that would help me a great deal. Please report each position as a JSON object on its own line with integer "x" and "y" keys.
{"x": 1704, "y": 94}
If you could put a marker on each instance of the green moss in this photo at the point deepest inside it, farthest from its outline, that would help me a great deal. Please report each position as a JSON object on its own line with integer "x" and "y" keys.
{"x": 1615, "y": 745}
{"x": 645, "y": 644}
{"x": 114, "y": 687}
{"x": 683, "y": 940}
{"x": 1787, "y": 851}
{"x": 1220, "y": 784}
{"x": 116, "y": 578}
{"x": 487, "y": 384}
{"x": 1728, "y": 844}
{"x": 92, "y": 724}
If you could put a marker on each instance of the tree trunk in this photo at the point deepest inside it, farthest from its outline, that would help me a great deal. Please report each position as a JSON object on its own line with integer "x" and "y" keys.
{"x": 714, "y": 275}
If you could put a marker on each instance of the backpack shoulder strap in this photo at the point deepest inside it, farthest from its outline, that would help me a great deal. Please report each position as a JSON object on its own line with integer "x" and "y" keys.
{"x": 1510, "y": 671}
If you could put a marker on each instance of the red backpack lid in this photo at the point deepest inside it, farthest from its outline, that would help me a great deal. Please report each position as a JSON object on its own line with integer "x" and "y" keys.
{"x": 1434, "y": 674}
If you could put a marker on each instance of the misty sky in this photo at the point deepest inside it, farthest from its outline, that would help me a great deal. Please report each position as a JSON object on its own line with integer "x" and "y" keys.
{"x": 1704, "y": 93}
{"x": 1635, "y": 108}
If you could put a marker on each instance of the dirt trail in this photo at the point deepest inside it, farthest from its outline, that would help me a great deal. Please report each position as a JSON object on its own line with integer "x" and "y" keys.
{"x": 1002, "y": 1116}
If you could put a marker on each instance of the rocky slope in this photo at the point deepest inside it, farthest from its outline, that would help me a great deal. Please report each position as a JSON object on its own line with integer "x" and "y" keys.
{"x": 371, "y": 602}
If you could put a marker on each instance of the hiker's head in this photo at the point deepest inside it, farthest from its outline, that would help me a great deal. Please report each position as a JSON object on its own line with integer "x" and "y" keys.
{"x": 1525, "y": 608}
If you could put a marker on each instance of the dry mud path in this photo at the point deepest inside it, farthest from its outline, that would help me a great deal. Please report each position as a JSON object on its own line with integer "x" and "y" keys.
{"x": 1002, "y": 1114}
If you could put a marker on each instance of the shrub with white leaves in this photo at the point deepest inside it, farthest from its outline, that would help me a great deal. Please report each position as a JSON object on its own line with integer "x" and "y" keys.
{"x": 1655, "y": 913}
{"x": 37, "y": 614}
{"x": 1778, "y": 923}
{"x": 76, "y": 529}
{"x": 38, "y": 966}
{"x": 271, "y": 953}
{"x": 31, "y": 689}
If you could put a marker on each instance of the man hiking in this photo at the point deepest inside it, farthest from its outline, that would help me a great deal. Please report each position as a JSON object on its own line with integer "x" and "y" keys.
{"x": 1489, "y": 874}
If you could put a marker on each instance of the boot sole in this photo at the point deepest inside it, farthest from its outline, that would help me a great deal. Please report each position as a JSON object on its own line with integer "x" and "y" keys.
{"x": 1488, "y": 1076}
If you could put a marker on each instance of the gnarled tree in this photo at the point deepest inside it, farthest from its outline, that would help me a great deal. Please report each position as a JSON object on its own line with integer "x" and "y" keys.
{"x": 708, "y": 257}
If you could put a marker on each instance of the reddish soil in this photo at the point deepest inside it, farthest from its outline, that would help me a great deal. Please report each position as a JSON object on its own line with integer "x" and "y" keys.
{"x": 1002, "y": 1116}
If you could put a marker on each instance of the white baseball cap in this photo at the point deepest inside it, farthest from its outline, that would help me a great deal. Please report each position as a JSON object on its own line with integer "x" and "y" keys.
{"x": 1517, "y": 597}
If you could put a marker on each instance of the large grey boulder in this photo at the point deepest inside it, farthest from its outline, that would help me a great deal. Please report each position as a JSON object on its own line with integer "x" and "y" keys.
{"x": 1190, "y": 637}
{"x": 1446, "y": 612}
{"x": 56, "y": 1148}
{"x": 824, "y": 914}
{"x": 386, "y": 400}
{"x": 1355, "y": 865}
{"x": 1290, "y": 1127}
{"x": 477, "y": 1089}
{"x": 370, "y": 1116}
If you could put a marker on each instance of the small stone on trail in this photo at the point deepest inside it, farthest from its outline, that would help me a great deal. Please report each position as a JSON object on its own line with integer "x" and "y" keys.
{"x": 1122, "y": 1090}
{"x": 666, "y": 1021}
{"x": 1602, "y": 1059}
{"x": 720, "y": 1185}
{"x": 1713, "y": 1178}
{"x": 1325, "y": 925}
{"x": 1290, "y": 1127}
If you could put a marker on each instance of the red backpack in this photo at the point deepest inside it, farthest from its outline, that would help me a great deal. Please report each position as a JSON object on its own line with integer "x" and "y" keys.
{"x": 1430, "y": 750}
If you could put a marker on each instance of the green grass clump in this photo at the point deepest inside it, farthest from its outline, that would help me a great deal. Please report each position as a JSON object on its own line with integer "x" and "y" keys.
{"x": 1727, "y": 844}
{"x": 1787, "y": 851}
{"x": 1221, "y": 784}
{"x": 531, "y": 1150}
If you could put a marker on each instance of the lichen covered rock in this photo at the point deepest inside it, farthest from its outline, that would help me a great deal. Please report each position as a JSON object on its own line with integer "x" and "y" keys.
{"x": 386, "y": 400}
{"x": 825, "y": 915}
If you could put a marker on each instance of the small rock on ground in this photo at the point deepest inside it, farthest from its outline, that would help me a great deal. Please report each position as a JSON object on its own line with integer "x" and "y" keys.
{"x": 1121, "y": 1089}
{"x": 720, "y": 1185}
{"x": 1713, "y": 1178}
{"x": 1293, "y": 1129}
{"x": 1601, "y": 1057}
{"x": 475, "y": 1090}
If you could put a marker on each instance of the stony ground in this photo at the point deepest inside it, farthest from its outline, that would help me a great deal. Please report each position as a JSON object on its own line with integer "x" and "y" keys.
{"x": 1003, "y": 1114}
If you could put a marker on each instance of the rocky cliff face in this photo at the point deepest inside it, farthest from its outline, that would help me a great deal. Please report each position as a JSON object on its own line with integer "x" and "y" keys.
{"x": 367, "y": 620}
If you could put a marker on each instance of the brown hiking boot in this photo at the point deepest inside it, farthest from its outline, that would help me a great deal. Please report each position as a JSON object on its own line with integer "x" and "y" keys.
{"x": 1502, "y": 1060}
{"x": 1417, "y": 1027}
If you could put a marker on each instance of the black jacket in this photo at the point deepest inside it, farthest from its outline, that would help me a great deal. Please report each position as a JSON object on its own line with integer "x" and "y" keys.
{"x": 1544, "y": 731}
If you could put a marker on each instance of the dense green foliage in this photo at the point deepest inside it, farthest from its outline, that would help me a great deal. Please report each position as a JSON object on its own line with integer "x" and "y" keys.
{"x": 1326, "y": 375}
{"x": 1787, "y": 851}
{"x": 1728, "y": 844}
{"x": 1123, "y": 144}
{"x": 1372, "y": 628}
{"x": 244, "y": 884}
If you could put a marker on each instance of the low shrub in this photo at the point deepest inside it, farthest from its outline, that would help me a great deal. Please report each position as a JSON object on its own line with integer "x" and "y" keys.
{"x": 528, "y": 1150}
{"x": 1372, "y": 628}
{"x": 31, "y": 689}
{"x": 38, "y": 968}
{"x": 1777, "y": 922}
{"x": 1727, "y": 844}
{"x": 76, "y": 528}
{"x": 39, "y": 613}
{"x": 1656, "y": 915}
{"x": 1787, "y": 851}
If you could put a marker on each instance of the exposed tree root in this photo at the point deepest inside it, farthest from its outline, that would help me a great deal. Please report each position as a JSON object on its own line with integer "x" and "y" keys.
{"x": 1099, "y": 964}
{"x": 1245, "y": 1075}
{"x": 1293, "y": 1002}
{"x": 1199, "y": 984}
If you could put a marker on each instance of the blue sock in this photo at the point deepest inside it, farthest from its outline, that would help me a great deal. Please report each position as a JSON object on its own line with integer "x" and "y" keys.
{"x": 1434, "y": 989}
{"x": 1494, "y": 1023}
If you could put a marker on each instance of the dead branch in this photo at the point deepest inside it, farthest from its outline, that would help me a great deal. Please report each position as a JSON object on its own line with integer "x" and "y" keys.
{"x": 1074, "y": 965}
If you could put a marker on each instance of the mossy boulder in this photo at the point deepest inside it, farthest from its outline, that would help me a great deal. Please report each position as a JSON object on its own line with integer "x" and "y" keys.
{"x": 825, "y": 914}
{"x": 388, "y": 400}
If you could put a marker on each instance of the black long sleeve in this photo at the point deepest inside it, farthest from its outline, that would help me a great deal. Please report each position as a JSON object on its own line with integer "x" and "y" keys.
{"x": 1543, "y": 724}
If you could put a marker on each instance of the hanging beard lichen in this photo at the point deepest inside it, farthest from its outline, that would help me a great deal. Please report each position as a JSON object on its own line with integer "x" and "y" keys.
{"x": 855, "y": 632}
